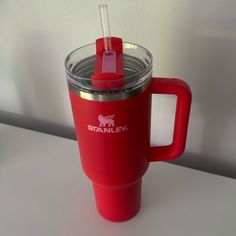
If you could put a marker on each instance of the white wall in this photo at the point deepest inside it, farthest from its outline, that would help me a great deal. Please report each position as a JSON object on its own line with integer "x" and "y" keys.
{"x": 192, "y": 40}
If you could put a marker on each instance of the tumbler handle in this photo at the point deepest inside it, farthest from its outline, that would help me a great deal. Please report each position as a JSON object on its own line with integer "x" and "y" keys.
{"x": 184, "y": 96}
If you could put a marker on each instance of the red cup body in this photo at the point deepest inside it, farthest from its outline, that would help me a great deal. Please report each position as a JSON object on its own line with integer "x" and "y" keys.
{"x": 114, "y": 144}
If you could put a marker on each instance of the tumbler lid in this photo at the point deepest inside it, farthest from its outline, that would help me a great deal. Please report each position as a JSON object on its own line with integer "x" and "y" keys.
{"x": 80, "y": 66}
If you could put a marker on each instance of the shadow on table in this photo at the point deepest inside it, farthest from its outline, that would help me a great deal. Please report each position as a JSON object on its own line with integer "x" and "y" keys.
{"x": 37, "y": 125}
{"x": 219, "y": 166}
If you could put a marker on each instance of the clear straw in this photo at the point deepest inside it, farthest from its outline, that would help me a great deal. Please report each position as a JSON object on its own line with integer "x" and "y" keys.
{"x": 105, "y": 27}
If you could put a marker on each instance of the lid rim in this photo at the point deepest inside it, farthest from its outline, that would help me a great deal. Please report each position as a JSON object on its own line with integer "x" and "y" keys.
{"x": 76, "y": 77}
{"x": 117, "y": 95}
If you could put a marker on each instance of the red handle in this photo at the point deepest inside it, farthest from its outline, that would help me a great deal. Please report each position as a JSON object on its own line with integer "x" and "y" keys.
{"x": 184, "y": 97}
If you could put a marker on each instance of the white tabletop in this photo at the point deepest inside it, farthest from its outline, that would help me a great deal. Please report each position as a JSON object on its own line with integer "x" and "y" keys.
{"x": 43, "y": 192}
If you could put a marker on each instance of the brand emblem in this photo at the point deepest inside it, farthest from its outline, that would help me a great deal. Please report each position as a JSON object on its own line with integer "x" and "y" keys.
{"x": 106, "y": 120}
{"x": 107, "y": 125}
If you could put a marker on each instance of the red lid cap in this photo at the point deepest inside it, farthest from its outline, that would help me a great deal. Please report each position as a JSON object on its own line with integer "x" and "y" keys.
{"x": 109, "y": 69}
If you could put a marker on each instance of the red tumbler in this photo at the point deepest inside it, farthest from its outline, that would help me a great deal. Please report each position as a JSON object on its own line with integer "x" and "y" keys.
{"x": 112, "y": 114}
